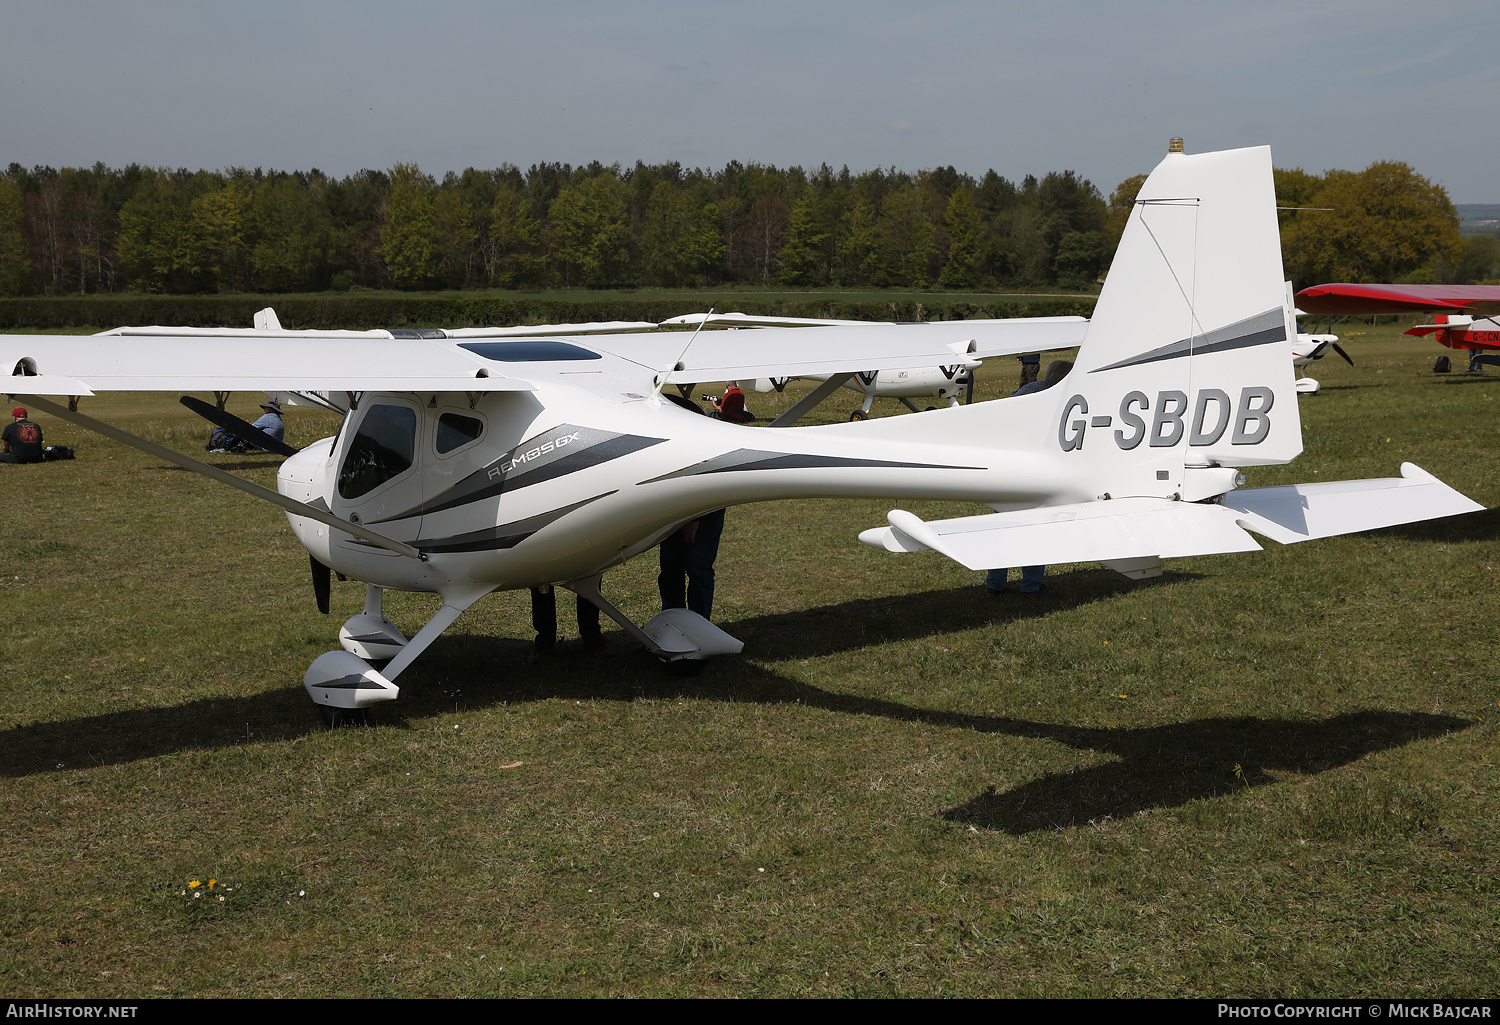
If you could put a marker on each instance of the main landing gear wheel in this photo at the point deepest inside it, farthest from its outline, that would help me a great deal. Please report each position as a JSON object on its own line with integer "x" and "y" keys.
{"x": 336, "y": 718}
{"x": 684, "y": 666}
{"x": 859, "y": 414}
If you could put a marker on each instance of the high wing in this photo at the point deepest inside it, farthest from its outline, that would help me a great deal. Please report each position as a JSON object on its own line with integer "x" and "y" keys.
{"x": 487, "y": 359}
{"x": 1343, "y": 298}
{"x": 185, "y": 359}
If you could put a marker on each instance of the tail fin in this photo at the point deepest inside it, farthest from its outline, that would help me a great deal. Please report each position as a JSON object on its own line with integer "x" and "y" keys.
{"x": 1187, "y": 360}
{"x": 1186, "y": 367}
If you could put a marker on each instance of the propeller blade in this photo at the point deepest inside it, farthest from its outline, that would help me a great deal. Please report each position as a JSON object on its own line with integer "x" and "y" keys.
{"x": 1340, "y": 350}
{"x": 322, "y": 583}
{"x": 239, "y": 428}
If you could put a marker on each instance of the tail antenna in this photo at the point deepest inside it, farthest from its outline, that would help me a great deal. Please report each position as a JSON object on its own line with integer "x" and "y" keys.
{"x": 661, "y": 379}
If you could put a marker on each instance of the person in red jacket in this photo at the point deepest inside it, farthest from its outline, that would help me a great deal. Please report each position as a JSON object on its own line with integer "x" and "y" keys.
{"x": 731, "y": 405}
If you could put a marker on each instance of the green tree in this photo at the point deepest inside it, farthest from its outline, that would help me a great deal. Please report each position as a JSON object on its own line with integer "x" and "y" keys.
{"x": 589, "y": 224}
{"x": 1121, "y": 203}
{"x": 15, "y": 268}
{"x": 162, "y": 246}
{"x": 354, "y": 206}
{"x": 408, "y": 242}
{"x": 1022, "y": 244}
{"x": 1080, "y": 257}
{"x": 1481, "y": 260}
{"x": 802, "y": 258}
{"x": 857, "y": 255}
{"x": 1385, "y": 222}
{"x": 457, "y": 230}
{"x": 292, "y": 237}
{"x": 765, "y": 234}
{"x": 511, "y": 238}
{"x": 665, "y": 235}
{"x": 222, "y": 216}
{"x": 965, "y": 233}
{"x": 904, "y": 236}
{"x": 706, "y": 248}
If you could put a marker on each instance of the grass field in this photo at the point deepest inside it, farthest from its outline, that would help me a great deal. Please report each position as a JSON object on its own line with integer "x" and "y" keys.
{"x": 1267, "y": 774}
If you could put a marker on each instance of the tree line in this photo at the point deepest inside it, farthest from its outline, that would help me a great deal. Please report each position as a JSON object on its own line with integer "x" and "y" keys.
{"x": 165, "y": 231}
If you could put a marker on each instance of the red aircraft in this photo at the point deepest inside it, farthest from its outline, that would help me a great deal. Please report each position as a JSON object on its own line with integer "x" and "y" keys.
{"x": 1455, "y": 305}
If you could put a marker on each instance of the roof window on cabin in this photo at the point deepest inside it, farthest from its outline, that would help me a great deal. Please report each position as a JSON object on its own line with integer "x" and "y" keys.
{"x": 530, "y": 350}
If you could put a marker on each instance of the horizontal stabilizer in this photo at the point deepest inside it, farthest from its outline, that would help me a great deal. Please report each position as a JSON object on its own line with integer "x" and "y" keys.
{"x": 1301, "y": 512}
{"x": 1103, "y": 531}
{"x": 1143, "y": 528}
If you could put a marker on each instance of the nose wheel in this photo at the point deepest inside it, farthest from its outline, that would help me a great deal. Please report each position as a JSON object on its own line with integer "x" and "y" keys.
{"x": 336, "y": 718}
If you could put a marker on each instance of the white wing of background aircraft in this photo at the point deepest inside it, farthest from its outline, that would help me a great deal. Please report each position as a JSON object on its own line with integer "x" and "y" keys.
{"x": 945, "y": 382}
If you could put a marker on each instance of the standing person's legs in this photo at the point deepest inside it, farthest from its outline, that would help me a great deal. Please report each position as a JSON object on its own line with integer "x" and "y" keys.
{"x": 543, "y": 620}
{"x": 701, "y": 555}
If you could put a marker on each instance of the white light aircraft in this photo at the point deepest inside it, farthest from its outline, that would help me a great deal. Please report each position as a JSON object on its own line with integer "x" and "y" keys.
{"x": 472, "y": 464}
{"x": 1310, "y": 348}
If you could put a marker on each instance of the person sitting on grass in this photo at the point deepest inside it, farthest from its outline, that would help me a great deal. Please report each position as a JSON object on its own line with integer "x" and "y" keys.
{"x": 21, "y": 442}
{"x": 731, "y": 406}
{"x": 270, "y": 423}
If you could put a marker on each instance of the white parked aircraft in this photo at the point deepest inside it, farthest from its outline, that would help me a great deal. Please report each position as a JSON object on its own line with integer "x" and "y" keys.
{"x": 473, "y": 464}
{"x": 944, "y": 383}
{"x": 1310, "y": 348}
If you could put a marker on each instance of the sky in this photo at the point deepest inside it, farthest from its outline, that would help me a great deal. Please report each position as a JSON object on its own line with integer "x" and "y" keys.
{"x": 1023, "y": 88}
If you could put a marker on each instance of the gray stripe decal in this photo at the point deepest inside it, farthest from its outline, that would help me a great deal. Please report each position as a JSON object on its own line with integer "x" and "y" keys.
{"x": 568, "y": 448}
{"x": 349, "y": 683}
{"x": 506, "y": 535}
{"x": 1261, "y": 329}
{"x": 745, "y": 459}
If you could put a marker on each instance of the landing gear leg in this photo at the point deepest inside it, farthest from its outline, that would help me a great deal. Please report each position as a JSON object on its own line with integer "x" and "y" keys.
{"x": 674, "y": 635}
{"x": 344, "y": 682}
{"x": 370, "y": 635}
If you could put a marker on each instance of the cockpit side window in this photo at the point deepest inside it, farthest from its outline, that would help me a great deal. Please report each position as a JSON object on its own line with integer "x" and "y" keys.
{"x": 382, "y": 449}
{"x": 456, "y": 431}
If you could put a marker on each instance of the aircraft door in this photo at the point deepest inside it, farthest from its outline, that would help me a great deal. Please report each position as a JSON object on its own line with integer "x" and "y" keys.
{"x": 380, "y": 476}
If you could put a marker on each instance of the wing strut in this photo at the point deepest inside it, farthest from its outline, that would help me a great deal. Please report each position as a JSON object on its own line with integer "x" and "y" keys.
{"x": 214, "y": 473}
{"x": 804, "y": 405}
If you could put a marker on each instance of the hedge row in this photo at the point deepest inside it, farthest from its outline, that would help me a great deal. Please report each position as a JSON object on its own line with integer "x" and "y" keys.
{"x": 361, "y": 312}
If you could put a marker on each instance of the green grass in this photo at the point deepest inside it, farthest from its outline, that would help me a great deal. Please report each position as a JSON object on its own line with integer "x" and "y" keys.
{"x": 1263, "y": 775}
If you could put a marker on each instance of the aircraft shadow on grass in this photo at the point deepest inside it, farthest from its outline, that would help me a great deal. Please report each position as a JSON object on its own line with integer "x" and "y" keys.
{"x": 1483, "y": 525}
{"x": 861, "y": 622}
{"x": 1168, "y": 766}
{"x": 1154, "y": 767}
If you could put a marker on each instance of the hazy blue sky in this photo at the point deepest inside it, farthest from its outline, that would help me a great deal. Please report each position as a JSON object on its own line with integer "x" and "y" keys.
{"x": 1023, "y": 88}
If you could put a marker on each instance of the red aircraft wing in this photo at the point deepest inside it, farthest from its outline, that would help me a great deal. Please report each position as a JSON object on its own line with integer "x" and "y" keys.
{"x": 1356, "y": 299}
